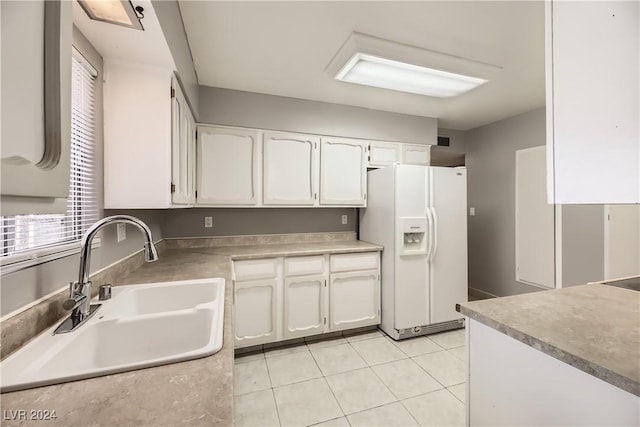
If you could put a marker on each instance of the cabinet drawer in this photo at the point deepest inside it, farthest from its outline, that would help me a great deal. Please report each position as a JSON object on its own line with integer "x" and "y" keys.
{"x": 304, "y": 265}
{"x": 255, "y": 269}
{"x": 355, "y": 261}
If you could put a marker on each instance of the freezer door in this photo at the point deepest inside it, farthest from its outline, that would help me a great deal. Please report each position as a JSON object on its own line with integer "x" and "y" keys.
{"x": 411, "y": 304}
{"x": 448, "y": 260}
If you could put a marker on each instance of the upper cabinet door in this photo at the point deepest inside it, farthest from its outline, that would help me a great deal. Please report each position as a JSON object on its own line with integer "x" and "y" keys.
{"x": 183, "y": 149}
{"x": 414, "y": 154}
{"x": 343, "y": 172}
{"x": 227, "y": 166}
{"x": 35, "y": 62}
{"x": 384, "y": 154}
{"x": 289, "y": 168}
{"x": 593, "y": 139}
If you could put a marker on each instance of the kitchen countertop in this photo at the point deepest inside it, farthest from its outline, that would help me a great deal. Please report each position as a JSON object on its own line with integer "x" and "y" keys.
{"x": 595, "y": 328}
{"x": 196, "y": 392}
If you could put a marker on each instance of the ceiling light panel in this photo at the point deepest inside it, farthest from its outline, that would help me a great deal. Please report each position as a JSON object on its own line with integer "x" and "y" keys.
{"x": 388, "y": 74}
{"x": 371, "y": 61}
{"x": 119, "y": 12}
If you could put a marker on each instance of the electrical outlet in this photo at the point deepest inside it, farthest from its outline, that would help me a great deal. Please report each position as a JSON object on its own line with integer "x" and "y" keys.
{"x": 208, "y": 222}
{"x": 472, "y": 211}
{"x": 122, "y": 232}
{"x": 344, "y": 220}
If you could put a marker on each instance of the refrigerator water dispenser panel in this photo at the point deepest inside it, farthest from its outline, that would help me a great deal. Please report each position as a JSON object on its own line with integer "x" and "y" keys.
{"x": 414, "y": 233}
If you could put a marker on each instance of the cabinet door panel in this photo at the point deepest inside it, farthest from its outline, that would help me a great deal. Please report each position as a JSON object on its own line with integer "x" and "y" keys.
{"x": 255, "y": 312}
{"x": 303, "y": 306}
{"x": 354, "y": 300}
{"x": 182, "y": 158}
{"x": 383, "y": 153}
{"x": 593, "y": 137}
{"x": 227, "y": 166}
{"x": 416, "y": 154}
{"x": 289, "y": 173}
{"x": 343, "y": 172}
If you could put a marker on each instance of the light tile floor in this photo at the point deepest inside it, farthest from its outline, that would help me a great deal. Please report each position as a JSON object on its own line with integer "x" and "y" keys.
{"x": 360, "y": 380}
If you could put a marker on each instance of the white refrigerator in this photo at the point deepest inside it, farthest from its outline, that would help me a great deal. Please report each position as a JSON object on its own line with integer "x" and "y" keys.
{"x": 418, "y": 213}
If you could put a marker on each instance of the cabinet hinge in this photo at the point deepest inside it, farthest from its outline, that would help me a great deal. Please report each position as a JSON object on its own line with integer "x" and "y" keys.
{"x": 315, "y": 196}
{"x": 325, "y": 283}
{"x": 173, "y": 188}
{"x": 173, "y": 93}
{"x": 325, "y": 320}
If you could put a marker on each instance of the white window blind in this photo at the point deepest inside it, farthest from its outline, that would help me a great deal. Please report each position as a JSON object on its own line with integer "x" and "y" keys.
{"x": 22, "y": 234}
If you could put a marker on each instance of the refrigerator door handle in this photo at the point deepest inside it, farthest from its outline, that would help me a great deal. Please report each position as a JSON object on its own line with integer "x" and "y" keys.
{"x": 430, "y": 233}
{"x": 434, "y": 234}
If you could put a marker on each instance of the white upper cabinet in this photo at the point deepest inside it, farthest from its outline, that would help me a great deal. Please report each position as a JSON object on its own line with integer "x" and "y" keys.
{"x": 415, "y": 154}
{"x": 183, "y": 142}
{"x": 384, "y": 153}
{"x": 36, "y": 106}
{"x": 343, "y": 172}
{"x": 593, "y": 81}
{"x": 290, "y": 168}
{"x": 227, "y": 166}
{"x": 137, "y": 136}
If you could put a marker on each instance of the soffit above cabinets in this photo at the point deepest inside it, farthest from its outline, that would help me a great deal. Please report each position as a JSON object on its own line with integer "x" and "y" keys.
{"x": 283, "y": 48}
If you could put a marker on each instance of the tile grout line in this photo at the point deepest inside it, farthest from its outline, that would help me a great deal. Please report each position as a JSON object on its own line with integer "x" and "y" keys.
{"x": 324, "y": 377}
{"x": 273, "y": 393}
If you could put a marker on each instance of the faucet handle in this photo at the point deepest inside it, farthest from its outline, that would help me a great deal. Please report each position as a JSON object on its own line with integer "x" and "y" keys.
{"x": 105, "y": 292}
{"x": 73, "y": 302}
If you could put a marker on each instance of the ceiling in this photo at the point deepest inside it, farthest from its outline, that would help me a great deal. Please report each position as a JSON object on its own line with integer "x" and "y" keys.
{"x": 282, "y": 48}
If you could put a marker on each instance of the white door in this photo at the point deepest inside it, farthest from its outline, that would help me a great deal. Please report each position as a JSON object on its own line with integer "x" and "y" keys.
{"x": 622, "y": 241}
{"x": 343, "y": 172}
{"x": 448, "y": 257}
{"x": 304, "y": 312}
{"x": 384, "y": 153}
{"x": 255, "y": 306}
{"x": 227, "y": 166}
{"x": 354, "y": 299}
{"x": 182, "y": 149}
{"x": 414, "y": 154}
{"x": 289, "y": 168}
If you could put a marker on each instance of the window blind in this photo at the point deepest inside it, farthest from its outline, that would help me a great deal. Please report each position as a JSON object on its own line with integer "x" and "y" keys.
{"x": 22, "y": 234}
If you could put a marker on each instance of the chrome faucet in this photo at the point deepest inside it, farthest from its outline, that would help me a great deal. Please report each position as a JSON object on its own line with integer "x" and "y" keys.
{"x": 80, "y": 292}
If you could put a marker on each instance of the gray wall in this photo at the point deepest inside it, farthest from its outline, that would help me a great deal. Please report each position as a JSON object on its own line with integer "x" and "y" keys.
{"x": 23, "y": 287}
{"x": 248, "y": 221}
{"x": 170, "y": 18}
{"x": 237, "y": 108}
{"x": 490, "y": 156}
{"x": 582, "y": 244}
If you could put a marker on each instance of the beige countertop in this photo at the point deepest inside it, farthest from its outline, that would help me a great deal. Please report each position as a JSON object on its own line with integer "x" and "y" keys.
{"x": 595, "y": 328}
{"x": 196, "y": 392}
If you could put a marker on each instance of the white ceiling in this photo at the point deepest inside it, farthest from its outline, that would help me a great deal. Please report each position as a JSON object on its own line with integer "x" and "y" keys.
{"x": 282, "y": 48}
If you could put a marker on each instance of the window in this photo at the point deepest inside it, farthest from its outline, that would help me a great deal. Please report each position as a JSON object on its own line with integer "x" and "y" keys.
{"x": 21, "y": 234}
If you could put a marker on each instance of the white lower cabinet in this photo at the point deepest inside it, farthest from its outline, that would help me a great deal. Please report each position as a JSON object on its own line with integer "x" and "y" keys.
{"x": 278, "y": 299}
{"x": 304, "y": 307}
{"x": 255, "y": 308}
{"x": 354, "y": 299}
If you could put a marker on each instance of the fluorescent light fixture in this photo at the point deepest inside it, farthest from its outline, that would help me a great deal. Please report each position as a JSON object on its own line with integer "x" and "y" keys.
{"x": 372, "y": 61}
{"x": 119, "y": 12}
{"x": 388, "y": 74}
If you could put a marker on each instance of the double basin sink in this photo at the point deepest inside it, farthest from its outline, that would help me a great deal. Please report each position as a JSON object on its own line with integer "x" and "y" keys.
{"x": 140, "y": 326}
